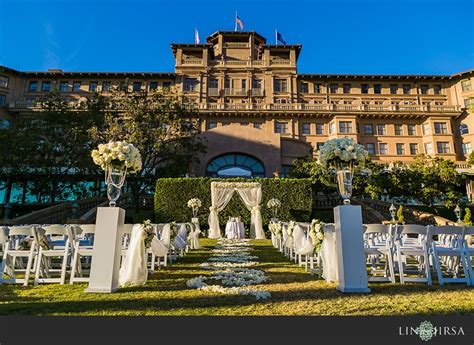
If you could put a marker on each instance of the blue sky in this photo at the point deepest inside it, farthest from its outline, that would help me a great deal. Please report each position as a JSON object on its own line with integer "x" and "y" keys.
{"x": 365, "y": 36}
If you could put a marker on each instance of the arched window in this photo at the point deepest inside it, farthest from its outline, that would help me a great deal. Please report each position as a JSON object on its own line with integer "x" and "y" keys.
{"x": 5, "y": 124}
{"x": 463, "y": 129}
{"x": 235, "y": 165}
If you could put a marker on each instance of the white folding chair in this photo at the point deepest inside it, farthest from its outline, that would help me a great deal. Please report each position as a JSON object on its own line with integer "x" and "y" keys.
{"x": 378, "y": 240}
{"x": 160, "y": 247}
{"x": 469, "y": 251}
{"x": 127, "y": 232}
{"x": 14, "y": 254}
{"x": 299, "y": 240}
{"x": 413, "y": 247}
{"x": 59, "y": 247}
{"x": 82, "y": 247}
{"x": 181, "y": 240}
{"x": 449, "y": 245}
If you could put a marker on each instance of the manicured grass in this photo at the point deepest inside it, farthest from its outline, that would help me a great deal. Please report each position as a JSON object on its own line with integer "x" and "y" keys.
{"x": 294, "y": 292}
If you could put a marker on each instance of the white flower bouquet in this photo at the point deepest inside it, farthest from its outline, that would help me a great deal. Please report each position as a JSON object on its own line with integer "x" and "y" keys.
{"x": 274, "y": 204}
{"x": 118, "y": 155}
{"x": 316, "y": 234}
{"x": 275, "y": 228}
{"x": 194, "y": 204}
{"x": 342, "y": 151}
{"x": 291, "y": 228}
{"x": 149, "y": 232}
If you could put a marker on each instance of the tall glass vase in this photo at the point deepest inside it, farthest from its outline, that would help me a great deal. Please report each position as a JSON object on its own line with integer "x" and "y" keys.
{"x": 114, "y": 179}
{"x": 345, "y": 173}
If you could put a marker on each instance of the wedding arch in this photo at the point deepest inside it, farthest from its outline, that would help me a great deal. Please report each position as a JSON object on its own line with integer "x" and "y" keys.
{"x": 251, "y": 195}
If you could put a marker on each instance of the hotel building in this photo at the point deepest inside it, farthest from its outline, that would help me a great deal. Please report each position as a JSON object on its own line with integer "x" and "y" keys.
{"x": 258, "y": 113}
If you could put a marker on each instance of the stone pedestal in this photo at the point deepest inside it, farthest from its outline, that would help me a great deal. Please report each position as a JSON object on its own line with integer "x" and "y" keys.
{"x": 105, "y": 264}
{"x": 350, "y": 249}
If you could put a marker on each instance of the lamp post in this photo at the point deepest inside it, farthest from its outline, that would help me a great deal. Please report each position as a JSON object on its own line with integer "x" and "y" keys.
{"x": 457, "y": 212}
{"x": 393, "y": 212}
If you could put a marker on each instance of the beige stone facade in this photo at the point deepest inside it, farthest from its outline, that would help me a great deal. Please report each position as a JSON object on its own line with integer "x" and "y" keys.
{"x": 252, "y": 102}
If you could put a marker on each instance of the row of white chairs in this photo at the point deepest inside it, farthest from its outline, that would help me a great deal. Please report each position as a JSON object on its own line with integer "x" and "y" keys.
{"x": 46, "y": 251}
{"x": 410, "y": 250}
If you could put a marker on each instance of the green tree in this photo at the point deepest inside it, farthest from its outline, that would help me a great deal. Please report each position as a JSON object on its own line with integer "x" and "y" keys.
{"x": 162, "y": 125}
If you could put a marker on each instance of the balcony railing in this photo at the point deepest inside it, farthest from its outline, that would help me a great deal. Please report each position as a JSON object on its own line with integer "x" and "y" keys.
{"x": 237, "y": 45}
{"x": 235, "y": 92}
{"x": 281, "y": 62}
{"x": 191, "y": 62}
{"x": 213, "y": 91}
{"x": 257, "y": 92}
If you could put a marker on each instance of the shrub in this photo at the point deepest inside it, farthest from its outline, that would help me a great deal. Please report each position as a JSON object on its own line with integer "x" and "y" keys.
{"x": 172, "y": 195}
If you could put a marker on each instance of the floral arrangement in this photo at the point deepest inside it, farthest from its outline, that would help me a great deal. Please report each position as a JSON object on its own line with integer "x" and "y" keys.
{"x": 291, "y": 228}
{"x": 173, "y": 230}
{"x": 273, "y": 203}
{"x": 235, "y": 184}
{"x": 342, "y": 150}
{"x": 316, "y": 234}
{"x": 119, "y": 155}
{"x": 275, "y": 228}
{"x": 230, "y": 264}
{"x": 149, "y": 232}
{"x": 194, "y": 203}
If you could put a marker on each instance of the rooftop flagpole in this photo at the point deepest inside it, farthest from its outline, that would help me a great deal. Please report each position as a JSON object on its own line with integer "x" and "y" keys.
{"x": 235, "y": 28}
{"x": 276, "y": 37}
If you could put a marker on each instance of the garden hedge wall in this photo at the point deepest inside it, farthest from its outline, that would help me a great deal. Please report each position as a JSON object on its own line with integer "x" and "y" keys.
{"x": 172, "y": 195}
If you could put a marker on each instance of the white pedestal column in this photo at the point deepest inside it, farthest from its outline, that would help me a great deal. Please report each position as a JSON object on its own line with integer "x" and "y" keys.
{"x": 105, "y": 264}
{"x": 350, "y": 249}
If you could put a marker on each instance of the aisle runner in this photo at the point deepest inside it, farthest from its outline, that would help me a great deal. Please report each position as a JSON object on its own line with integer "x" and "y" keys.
{"x": 230, "y": 263}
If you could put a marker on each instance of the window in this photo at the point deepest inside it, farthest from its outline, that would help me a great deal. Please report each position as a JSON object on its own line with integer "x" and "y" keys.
{"x": 190, "y": 85}
{"x": 411, "y": 129}
{"x": 76, "y": 86}
{"x": 33, "y": 86}
{"x": 256, "y": 84}
{"x": 166, "y": 85}
{"x": 400, "y": 149}
{"x": 285, "y": 171}
{"x": 244, "y": 123}
{"x": 2, "y": 100}
{"x": 428, "y": 148}
{"x": 213, "y": 83}
{"x": 211, "y": 125}
{"x": 441, "y": 128}
{"x": 370, "y": 147}
{"x": 318, "y": 146}
{"x": 345, "y": 127}
{"x": 304, "y": 88}
{"x": 426, "y": 128}
{"x": 306, "y": 128}
{"x": 333, "y": 88}
{"x": 466, "y": 85}
{"x": 463, "y": 129}
{"x": 3, "y": 81}
{"x": 93, "y": 86}
{"x": 332, "y": 127}
{"x": 346, "y": 88}
{"x": 153, "y": 85}
{"x": 377, "y": 88}
{"x": 5, "y": 124}
{"x": 257, "y": 125}
{"x": 406, "y": 89}
{"x": 393, "y": 89}
{"x": 466, "y": 148}
{"x": 467, "y": 103}
{"x": 424, "y": 89}
{"x": 235, "y": 165}
{"x": 106, "y": 86}
{"x": 137, "y": 86}
{"x": 381, "y": 130}
{"x": 364, "y": 88}
{"x": 413, "y": 149}
{"x": 280, "y": 85}
{"x": 244, "y": 84}
{"x": 281, "y": 127}
{"x": 442, "y": 146}
{"x": 383, "y": 149}
{"x": 368, "y": 129}
{"x": 317, "y": 88}
{"x": 437, "y": 89}
{"x": 398, "y": 129}
{"x": 63, "y": 86}
{"x": 319, "y": 128}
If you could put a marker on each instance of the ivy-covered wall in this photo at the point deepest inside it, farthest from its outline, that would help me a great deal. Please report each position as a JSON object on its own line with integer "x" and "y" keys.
{"x": 172, "y": 195}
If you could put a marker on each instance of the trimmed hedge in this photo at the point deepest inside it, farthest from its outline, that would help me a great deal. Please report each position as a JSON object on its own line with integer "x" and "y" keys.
{"x": 172, "y": 195}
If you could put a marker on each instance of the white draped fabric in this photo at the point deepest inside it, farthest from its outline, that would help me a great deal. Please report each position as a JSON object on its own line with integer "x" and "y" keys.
{"x": 303, "y": 245}
{"x": 329, "y": 255}
{"x": 251, "y": 195}
{"x": 194, "y": 236}
{"x": 160, "y": 247}
{"x": 134, "y": 271}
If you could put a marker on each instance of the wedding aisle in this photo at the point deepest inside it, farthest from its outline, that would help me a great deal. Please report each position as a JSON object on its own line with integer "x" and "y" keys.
{"x": 293, "y": 292}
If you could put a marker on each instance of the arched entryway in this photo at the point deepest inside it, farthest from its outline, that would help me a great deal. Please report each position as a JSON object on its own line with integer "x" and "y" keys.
{"x": 235, "y": 165}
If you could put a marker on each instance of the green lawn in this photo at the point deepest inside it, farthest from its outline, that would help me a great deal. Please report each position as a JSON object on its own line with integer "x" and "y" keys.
{"x": 294, "y": 292}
